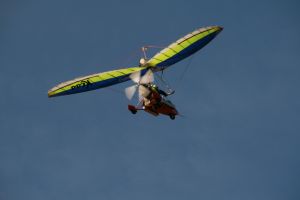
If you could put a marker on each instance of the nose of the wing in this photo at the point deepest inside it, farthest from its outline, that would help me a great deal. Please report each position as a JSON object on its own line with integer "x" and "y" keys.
{"x": 219, "y": 29}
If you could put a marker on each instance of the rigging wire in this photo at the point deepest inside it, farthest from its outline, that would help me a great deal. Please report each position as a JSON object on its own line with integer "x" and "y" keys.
{"x": 154, "y": 46}
{"x": 180, "y": 79}
{"x": 163, "y": 81}
{"x": 178, "y": 83}
{"x": 161, "y": 76}
{"x": 126, "y": 61}
{"x": 145, "y": 49}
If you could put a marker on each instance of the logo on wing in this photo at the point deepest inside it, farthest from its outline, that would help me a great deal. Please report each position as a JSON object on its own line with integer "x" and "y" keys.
{"x": 83, "y": 83}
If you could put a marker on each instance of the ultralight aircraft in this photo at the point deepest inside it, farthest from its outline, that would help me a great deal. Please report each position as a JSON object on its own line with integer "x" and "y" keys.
{"x": 151, "y": 99}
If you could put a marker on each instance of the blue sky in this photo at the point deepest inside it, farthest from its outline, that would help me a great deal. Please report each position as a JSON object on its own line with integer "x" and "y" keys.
{"x": 238, "y": 139}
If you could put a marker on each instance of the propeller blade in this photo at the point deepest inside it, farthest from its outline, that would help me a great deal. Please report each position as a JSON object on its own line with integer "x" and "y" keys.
{"x": 135, "y": 77}
{"x": 147, "y": 78}
{"x": 143, "y": 92}
{"x": 129, "y": 91}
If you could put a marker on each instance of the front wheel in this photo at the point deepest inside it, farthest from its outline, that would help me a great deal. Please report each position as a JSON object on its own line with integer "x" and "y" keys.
{"x": 133, "y": 111}
{"x": 172, "y": 117}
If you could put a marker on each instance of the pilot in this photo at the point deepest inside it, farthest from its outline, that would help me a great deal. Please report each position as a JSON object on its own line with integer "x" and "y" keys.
{"x": 154, "y": 99}
{"x": 159, "y": 91}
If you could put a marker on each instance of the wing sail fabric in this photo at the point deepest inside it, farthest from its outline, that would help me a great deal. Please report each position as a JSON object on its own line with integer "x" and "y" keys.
{"x": 184, "y": 47}
{"x": 94, "y": 81}
{"x": 172, "y": 54}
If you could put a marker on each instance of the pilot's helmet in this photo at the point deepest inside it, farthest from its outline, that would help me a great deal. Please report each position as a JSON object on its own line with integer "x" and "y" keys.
{"x": 154, "y": 86}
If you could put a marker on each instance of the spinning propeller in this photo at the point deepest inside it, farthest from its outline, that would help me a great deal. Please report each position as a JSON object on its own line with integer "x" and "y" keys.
{"x": 139, "y": 80}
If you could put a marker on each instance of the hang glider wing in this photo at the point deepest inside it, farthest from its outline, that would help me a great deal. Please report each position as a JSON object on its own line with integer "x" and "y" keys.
{"x": 184, "y": 47}
{"x": 94, "y": 81}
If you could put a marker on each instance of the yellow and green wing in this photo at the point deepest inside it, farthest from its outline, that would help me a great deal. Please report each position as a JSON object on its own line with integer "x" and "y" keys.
{"x": 94, "y": 81}
{"x": 172, "y": 54}
{"x": 184, "y": 47}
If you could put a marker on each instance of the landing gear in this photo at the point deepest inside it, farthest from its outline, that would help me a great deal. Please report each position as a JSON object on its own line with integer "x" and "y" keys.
{"x": 132, "y": 109}
{"x": 172, "y": 117}
{"x": 133, "y": 112}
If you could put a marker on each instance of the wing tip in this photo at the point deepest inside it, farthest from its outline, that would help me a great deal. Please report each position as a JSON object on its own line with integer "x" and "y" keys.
{"x": 50, "y": 95}
{"x": 52, "y": 92}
